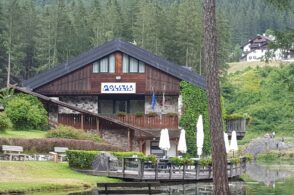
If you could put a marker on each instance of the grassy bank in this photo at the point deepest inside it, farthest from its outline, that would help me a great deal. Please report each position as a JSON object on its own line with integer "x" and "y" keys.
{"x": 26, "y": 134}
{"x": 43, "y": 176}
{"x": 240, "y": 66}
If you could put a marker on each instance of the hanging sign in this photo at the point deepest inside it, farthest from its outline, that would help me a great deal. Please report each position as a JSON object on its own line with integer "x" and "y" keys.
{"x": 118, "y": 88}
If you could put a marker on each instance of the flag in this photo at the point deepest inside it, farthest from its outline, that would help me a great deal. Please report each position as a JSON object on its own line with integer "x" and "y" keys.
{"x": 163, "y": 101}
{"x": 153, "y": 102}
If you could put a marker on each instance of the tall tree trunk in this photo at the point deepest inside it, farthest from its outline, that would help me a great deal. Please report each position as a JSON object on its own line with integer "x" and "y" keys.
{"x": 219, "y": 157}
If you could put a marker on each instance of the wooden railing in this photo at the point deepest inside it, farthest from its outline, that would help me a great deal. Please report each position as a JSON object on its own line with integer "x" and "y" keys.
{"x": 75, "y": 120}
{"x": 135, "y": 168}
{"x": 146, "y": 122}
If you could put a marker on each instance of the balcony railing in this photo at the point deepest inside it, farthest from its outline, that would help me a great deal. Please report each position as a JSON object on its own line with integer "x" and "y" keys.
{"x": 145, "y": 122}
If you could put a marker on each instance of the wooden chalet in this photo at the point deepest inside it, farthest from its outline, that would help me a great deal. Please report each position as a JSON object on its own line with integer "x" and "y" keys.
{"x": 121, "y": 91}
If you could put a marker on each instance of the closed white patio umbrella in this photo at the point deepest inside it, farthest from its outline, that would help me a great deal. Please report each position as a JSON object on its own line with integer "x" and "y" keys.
{"x": 227, "y": 145}
{"x": 234, "y": 144}
{"x": 164, "y": 142}
{"x": 200, "y": 135}
{"x": 182, "y": 146}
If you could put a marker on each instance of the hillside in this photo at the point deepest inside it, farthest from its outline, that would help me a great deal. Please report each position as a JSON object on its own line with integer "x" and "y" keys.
{"x": 265, "y": 93}
{"x": 241, "y": 66}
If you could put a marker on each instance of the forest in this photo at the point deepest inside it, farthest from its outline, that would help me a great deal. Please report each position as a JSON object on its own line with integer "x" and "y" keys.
{"x": 36, "y": 35}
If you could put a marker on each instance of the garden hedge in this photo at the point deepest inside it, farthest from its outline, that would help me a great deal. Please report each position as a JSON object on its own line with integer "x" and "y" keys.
{"x": 45, "y": 145}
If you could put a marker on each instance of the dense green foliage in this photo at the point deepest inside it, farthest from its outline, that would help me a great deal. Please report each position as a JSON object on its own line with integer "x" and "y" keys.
{"x": 247, "y": 18}
{"x": 194, "y": 103}
{"x": 4, "y": 121}
{"x": 71, "y": 133}
{"x": 81, "y": 159}
{"x": 26, "y": 112}
{"x": 180, "y": 161}
{"x": 121, "y": 155}
{"x": 40, "y": 34}
{"x": 266, "y": 94}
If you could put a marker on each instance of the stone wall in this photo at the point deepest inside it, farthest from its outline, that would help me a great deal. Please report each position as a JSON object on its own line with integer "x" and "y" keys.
{"x": 89, "y": 103}
{"x": 170, "y": 104}
{"x": 119, "y": 138}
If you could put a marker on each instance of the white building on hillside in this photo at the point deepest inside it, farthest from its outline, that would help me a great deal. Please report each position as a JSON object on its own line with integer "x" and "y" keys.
{"x": 256, "y": 49}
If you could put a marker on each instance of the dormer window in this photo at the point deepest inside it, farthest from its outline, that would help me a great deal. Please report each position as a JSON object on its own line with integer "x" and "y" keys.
{"x": 105, "y": 65}
{"x": 132, "y": 65}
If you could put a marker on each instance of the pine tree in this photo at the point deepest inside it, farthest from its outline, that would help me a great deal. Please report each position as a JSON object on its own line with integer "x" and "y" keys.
{"x": 147, "y": 28}
{"x": 189, "y": 33}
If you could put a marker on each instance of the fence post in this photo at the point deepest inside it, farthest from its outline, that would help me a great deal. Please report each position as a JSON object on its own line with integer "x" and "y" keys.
{"x": 140, "y": 168}
{"x": 197, "y": 167}
{"x": 156, "y": 171}
{"x": 184, "y": 171}
{"x": 82, "y": 121}
{"x": 123, "y": 167}
{"x": 231, "y": 169}
{"x": 170, "y": 171}
{"x": 108, "y": 165}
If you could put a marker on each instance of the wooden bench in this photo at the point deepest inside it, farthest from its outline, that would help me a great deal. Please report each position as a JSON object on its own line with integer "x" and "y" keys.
{"x": 59, "y": 153}
{"x": 138, "y": 188}
{"x": 13, "y": 152}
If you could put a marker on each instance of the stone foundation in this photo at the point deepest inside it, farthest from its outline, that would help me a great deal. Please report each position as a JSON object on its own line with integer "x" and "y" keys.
{"x": 119, "y": 138}
{"x": 89, "y": 103}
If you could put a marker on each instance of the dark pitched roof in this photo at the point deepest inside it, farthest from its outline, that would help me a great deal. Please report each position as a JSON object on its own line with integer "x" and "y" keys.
{"x": 108, "y": 48}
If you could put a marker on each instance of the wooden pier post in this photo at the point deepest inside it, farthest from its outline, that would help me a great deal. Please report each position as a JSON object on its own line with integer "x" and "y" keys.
{"x": 170, "y": 172}
{"x": 156, "y": 171}
{"x": 123, "y": 167}
{"x": 140, "y": 169}
{"x": 197, "y": 167}
{"x": 231, "y": 170}
{"x": 209, "y": 171}
{"x": 108, "y": 165}
{"x": 184, "y": 171}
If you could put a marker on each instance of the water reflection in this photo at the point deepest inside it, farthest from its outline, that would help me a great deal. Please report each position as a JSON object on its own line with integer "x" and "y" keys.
{"x": 269, "y": 174}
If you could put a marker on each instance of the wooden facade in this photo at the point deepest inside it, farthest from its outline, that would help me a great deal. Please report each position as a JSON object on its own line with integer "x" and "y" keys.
{"x": 85, "y": 82}
{"x": 131, "y": 77}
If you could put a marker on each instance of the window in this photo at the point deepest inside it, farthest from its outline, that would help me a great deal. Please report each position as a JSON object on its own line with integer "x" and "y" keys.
{"x": 132, "y": 65}
{"x": 105, "y": 65}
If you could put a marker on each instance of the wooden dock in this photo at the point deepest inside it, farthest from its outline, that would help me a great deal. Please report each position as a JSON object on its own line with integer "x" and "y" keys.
{"x": 136, "y": 170}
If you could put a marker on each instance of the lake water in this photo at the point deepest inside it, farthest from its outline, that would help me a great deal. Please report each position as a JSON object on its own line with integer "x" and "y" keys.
{"x": 259, "y": 180}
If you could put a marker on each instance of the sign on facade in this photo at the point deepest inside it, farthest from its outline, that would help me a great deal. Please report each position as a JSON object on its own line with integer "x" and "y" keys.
{"x": 118, "y": 87}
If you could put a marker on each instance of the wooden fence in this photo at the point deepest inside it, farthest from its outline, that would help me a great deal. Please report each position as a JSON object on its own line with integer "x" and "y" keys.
{"x": 90, "y": 122}
{"x": 136, "y": 169}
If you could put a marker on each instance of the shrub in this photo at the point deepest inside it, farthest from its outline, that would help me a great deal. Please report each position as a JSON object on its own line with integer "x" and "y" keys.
{"x": 205, "y": 162}
{"x": 4, "y": 121}
{"x": 180, "y": 161}
{"x": 151, "y": 158}
{"x": 139, "y": 114}
{"x": 81, "y": 159}
{"x": 45, "y": 145}
{"x": 72, "y": 133}
{"x": 84, "y": 159}
{"x": 26, "y": 112}
{"x": 152, "y": 114}
{"x": 171, "y": 114}
{"x": 121, "y": 155}
{"x": 235, "y": 160}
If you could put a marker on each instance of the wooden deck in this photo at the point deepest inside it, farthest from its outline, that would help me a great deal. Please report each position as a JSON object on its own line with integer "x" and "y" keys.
{"x": 135, "y": 169}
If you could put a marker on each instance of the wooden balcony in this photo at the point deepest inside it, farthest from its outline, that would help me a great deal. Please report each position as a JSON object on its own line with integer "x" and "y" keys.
{"x": 144, "y": 122}
{"x": 148, "y": 122}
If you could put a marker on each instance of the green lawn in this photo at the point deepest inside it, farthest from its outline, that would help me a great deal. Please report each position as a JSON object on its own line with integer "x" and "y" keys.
{"x": 10, "y": 133}
{"x": 28, "y": 176}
